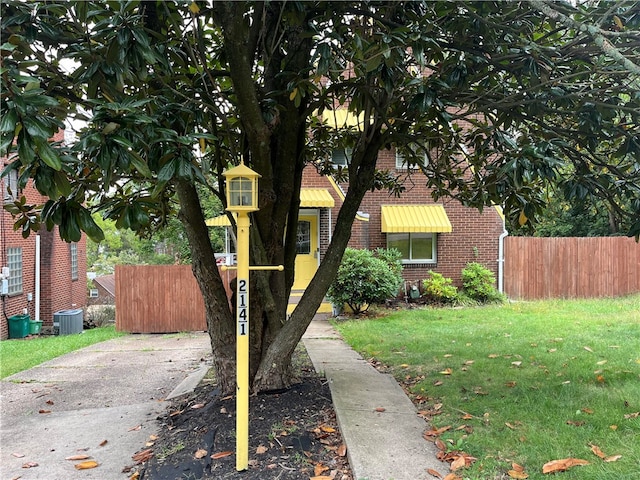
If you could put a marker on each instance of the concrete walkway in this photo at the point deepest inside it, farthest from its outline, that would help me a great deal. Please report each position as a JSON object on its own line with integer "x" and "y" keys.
{"x": 378, "y": 422}
{"x": 101, "y": 401}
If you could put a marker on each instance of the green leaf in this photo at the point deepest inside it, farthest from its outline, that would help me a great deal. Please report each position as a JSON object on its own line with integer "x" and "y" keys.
{"x": 47, "y": 154}
{"x": 89, "y": 226}
{"x": 9, "y": 121}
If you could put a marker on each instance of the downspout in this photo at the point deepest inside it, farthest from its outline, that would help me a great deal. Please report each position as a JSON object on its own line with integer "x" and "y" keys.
{"x": 37, "y": 280}
{"x": 501, "y": 254}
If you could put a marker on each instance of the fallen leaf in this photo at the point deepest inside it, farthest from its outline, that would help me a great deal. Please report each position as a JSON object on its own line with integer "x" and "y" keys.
{"x": 469, "y": 362}
{"x": 197, "y": 406}
{"x": 467, "y": 416}
{"x": 142, "y": 456}
{"x": 596, "y": 450}
{"x": 319, "y": 469}
{"x": 613, "y": 458}
{"x": 517, "y": 468}
{"x": 516, "y": 364}
{"x": 440, "y": 445}
{"x": 588, "y": 349}
{"x": 327, "y": 429}
{"x": 510, "y": 384}
{"x": 447, "y": 371}
{"x": 613, "y": 427}
{"x": 78, "y": 457}
{"x": 135, "y": 476}
{"x": 404, "y": 365}
{"x": 434, "y": 473}
{"x": 135, "y": 429}
{"x": 562, "y": 465}
{"x": 518, "y": 475}
{"x": 437, "y": 383}
{"x": 86, "y": 465}
{"x": 602, "y": 362}
{"x": 261, "y": 449}
{"x": 218, "y": 455}
{"x": 342, "y": 450}
{"x": 452, "y": 476}
{"x": 44, "y": 411}
{"x": 49, "y": 402}
{"x": 579, "y": 423}
{"x": 29, "y": 464}
{"x": 586, "y": 410}
{"x": 200, "y": 453}
{"x": 103, "y": 443}
{"x": 458, "y": 463}
{"x": 629, "y": 416}
{"x": 493, "y": 355}
{"x": 380, "y": 409}
{"x": 321, "y": 477}
{"x": 18, "y": 455}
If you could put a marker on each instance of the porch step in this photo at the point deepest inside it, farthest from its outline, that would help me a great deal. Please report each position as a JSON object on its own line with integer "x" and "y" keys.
{"x": 294, "y": 298}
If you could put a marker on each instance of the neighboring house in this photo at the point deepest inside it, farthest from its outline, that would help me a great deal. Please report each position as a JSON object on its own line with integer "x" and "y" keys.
{"x": 103, "y": 291}
{"x": 46, "y": 274}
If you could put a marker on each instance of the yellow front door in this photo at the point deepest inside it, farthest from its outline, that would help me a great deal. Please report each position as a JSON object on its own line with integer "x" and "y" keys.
{"x": 307, "y": 251}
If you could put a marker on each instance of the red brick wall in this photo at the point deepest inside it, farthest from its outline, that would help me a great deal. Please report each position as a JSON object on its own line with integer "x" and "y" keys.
{"x": 474, "y": 237}
{"x": 57, "y": 290}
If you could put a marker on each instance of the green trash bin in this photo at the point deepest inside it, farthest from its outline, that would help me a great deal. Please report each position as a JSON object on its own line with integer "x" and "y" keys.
{"x": 19, "y": 326}
{"x": 35, "y": 326}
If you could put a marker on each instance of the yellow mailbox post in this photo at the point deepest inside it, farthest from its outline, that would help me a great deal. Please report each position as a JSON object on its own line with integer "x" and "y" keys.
{"x": 242, "y": 198}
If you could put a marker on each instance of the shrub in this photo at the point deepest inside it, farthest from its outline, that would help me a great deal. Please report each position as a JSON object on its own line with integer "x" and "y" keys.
{"x": 478, "y": 284}
{"x": 364, "y": 279}
{"x": 439, "y": 288}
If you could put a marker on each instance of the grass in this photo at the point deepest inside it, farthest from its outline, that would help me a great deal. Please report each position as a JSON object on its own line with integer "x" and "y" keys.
{"x": 21, "y": 354}
{"x": 525, "y": 382}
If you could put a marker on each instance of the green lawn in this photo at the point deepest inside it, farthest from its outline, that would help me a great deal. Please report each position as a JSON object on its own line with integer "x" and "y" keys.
{"x": 21, "y": 354}
{"x": 526, "y": 382}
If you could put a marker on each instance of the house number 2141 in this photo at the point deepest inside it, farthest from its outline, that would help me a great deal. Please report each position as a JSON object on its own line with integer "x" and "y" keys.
{"x": 243, "y": 305}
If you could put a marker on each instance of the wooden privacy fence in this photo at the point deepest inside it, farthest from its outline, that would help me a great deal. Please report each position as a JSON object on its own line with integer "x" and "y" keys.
{"x": 571, "y": 267}
{"x": 159, "y": 299}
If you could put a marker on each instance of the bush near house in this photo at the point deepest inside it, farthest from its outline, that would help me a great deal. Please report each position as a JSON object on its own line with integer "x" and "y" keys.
{"x": 366, "y": 278}
{"x": 439, "y": 288}
{"x": 478, "y": 284}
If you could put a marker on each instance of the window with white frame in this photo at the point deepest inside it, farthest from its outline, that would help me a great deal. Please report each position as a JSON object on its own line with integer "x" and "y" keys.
{"x": 93, "y": 293}
{"x": 414, "y": 247}
{"x": 14, "y": 262}
{"x": 410, "y": 157}
{"x": 341, "y": 157}
{"x": 10, "y": 182}
{"x": 73, "y": 250}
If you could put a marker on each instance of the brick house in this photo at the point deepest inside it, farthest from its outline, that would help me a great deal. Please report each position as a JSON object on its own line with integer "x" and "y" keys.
{"x": 56, "y": 282}
{"x": 103, "y": 291}
{"x": 442, "y": 236}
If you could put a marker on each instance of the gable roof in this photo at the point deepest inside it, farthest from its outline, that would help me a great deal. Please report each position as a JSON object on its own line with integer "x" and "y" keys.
{"x": 108, "y": 282}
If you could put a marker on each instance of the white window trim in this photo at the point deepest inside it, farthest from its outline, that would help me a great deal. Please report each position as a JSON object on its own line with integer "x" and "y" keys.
{"x": 73, "y": 255}
{"x": 16, "y": 266}
{"x": 401, "y": 163}
{"x": 348, "y": 152}
{"x": 10, "y": 184}
{"x": 420, "y": 261}
{"x": 94, "y": 293}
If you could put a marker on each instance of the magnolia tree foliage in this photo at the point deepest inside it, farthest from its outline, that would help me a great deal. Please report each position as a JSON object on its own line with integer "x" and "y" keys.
{"x": 496, "y": 100}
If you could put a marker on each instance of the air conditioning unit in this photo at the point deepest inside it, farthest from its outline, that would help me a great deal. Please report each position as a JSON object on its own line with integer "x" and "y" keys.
{"x": 66, "y": 322}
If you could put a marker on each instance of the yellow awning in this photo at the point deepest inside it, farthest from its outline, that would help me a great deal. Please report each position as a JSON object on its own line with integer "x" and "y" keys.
{"x": 309, "y": 197}
{"x": 342, "y": 117}
{"x": 415, "y": 218}
{"x": 316, "y": 197}
{"x": 219, "y": 221}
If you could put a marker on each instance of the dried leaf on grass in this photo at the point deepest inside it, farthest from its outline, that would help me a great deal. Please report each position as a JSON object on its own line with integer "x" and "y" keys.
{"x": 562, "y": 465}
{"x": 452, "y": 476}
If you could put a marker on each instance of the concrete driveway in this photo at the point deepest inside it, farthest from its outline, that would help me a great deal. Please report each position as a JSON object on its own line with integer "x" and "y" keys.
{"x": 101, "y": 401}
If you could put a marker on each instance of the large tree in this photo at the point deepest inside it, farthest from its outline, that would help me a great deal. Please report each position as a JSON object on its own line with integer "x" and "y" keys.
{"x": 501, "y": 97}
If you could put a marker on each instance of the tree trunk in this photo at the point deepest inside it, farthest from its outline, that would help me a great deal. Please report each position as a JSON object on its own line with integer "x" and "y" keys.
{"x": 220, "y": 321}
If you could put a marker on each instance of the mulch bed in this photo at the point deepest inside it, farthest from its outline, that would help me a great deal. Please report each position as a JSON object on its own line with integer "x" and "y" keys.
{"x": 292, "y": 435}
